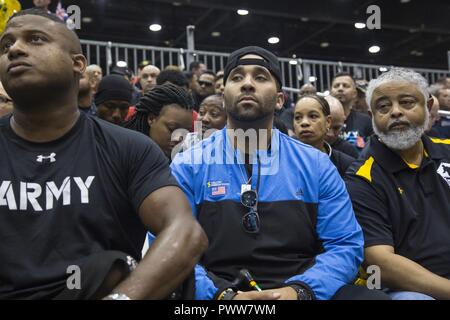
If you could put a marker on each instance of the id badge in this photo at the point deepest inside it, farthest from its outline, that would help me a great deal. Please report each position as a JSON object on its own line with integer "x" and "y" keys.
{"x": 245, "y": 187}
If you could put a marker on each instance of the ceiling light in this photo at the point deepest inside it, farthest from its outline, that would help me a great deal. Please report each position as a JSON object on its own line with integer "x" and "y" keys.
{"x": 121, "y": 64}
{"x": 155, "y": 27}
{"x": 312, "y": 79}
{"x": 242, "y": 12}
{"x": 293, "y": 62}
{"x": 360, "y": 25}
{"x": 383, "y": 69}
{"x": 374, "y": 49}
{"x": 273, "y": 40}
{"x": 404, "y": 1}
{"x": 324, "y": 44}
{"x": 176, "y": 3}
{"x": 326, "y": 93}
{"x": 87, "y": 19}
{"x": 304, "y": 19}
{"x": 215, "y": 34}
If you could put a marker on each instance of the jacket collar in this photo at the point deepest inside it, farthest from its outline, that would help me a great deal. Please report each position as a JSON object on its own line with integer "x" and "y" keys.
{"x": 391, "y": 161}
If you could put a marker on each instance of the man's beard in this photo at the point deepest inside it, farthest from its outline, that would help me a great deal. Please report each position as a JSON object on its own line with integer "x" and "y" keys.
{"x": 262, "y": 113}
{"x": 402, "y": 139}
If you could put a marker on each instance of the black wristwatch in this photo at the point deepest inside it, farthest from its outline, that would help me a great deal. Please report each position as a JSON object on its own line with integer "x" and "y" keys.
{"x": 302, "y": 292}
{"x": 227, "y": 294}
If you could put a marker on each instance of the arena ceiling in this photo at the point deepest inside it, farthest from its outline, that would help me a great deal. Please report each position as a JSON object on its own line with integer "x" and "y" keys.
{"x": 413, "y": 32}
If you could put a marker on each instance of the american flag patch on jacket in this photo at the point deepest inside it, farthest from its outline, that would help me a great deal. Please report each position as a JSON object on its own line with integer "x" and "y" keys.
{"x": 218, "y": 191}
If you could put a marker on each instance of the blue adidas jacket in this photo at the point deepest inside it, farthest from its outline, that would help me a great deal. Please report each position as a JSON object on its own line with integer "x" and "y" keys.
{"x": 308, "y": 231}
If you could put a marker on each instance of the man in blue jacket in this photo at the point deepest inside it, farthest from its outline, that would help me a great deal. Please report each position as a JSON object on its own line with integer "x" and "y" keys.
{"x": 291, "y": 226}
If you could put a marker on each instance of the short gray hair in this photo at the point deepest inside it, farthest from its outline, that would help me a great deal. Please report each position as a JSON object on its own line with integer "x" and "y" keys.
{"x": 398, "y": 74}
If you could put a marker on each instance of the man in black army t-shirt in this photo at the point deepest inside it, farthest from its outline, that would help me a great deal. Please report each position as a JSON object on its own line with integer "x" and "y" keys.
{"x": 77, "y": 193}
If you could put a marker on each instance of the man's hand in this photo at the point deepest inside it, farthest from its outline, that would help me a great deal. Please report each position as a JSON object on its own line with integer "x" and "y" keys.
{"x": 257, "y": 295}
{"x": 285, "y": 293}
{"x": 399, "y": 273}
{"x": 179, "y": 244}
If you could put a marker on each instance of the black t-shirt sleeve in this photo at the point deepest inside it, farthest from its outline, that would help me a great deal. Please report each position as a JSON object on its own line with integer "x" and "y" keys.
{"x": 371, "y": 212}
{"x": 148, "y": 170}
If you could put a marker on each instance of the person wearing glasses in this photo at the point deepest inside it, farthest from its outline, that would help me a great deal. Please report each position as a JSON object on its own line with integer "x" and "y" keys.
{"x": 292, "y": 227}
{"x": 206, "y": 87}
{"x": 312, "y": 121}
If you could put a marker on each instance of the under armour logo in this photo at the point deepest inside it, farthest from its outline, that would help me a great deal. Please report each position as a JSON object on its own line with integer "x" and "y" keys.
{"x": 444, "y": 171}
{"x": 51, "y": 157}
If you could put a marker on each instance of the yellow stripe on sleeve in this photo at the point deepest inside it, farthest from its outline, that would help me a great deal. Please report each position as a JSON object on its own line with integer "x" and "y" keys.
{"x": 365, "y": 170}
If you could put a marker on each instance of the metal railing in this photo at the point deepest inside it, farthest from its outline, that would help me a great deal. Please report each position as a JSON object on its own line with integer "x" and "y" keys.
{"x": 295, "y": 72}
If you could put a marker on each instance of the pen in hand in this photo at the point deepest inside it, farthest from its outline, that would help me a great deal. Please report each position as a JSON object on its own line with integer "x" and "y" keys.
{"x": 251, "y": 282}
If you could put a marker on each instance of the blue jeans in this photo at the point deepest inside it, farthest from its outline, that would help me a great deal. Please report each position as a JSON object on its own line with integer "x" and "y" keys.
{"x": 408, "y": 295}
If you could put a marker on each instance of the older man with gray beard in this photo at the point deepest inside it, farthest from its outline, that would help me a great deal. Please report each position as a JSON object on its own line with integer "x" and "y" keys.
{"x": 400, "y": 191}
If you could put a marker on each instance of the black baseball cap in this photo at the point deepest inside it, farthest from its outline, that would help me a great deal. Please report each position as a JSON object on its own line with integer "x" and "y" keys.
{"x": 270, "y": 62}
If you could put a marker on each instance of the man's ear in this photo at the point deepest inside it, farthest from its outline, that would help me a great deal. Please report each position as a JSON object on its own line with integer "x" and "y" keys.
{"x": 79, "y": 63}
{"x": 370, "y": 113}
{"x": 280, "y": 100}
{"x": 430, "y": 103}
{"x": 328, "y": 123}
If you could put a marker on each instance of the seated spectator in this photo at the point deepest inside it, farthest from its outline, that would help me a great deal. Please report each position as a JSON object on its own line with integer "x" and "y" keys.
{"x": 113, "y": 98}
{"x": 287, "y": 114}
{"x": 147, "y": 77}
{"x": 401, "y": 190}
{"x": 307, "y": 89}
{"x": 312, "y": 121}
{"x": 161, "y": 113}
{"x": 6, "y": 104}
{"x": 205, "y": 88}
{"x": 86, "y": 93}
{"x": 129, "y": 76}
{"x": 96, "y": 72}
{"x": 443, "y": 96}
{"x": 441, "y": 127}
{"x": 358, "y": 126}
{"x": 197, "y": 68}
{"x": 337, "y": 125}
{"x": 78, "y": 194}
{"x": 292, "y": 226}
{"x": 212, "y": 115}
{"x": 173, "y": 76}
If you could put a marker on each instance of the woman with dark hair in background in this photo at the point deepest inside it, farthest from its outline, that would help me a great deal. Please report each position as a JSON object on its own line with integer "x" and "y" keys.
{"x": 312, "y": 121}
{"x": 160, "y": 112}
